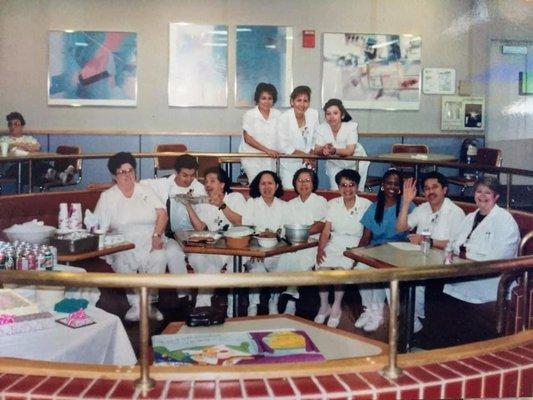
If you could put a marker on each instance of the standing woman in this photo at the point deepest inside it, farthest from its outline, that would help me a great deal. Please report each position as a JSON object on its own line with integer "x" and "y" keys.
{"x": 342, "y": 229}
{"x": 296, "y": 133}
{"x": 337, "y": 136}
{"x": 380, "y": 227}
{"x": 259, "y": 131}
{"x": 266, "y": 211}
{"x": 135, "y": 211}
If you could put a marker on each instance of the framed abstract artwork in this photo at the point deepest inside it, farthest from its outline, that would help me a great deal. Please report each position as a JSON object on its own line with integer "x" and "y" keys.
{"x": 89, "y": 68}
{"x": 264, "y": 54}
{"x": 198, "y": 65}
{"x": 372, "y": 71}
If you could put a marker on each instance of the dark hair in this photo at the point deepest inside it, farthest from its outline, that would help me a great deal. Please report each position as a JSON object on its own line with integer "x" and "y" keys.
{"x": 350, "y": 174}
{"x": 116, "y": 160}
{"x": 435, "y": 175}
{"x": 491, "y": 182}
{"x": 222, "y": 177}
{"x": 265, "y": 87}
{"x": 299, "y": 90}
{"x": 380, "y": 208}
{"x": 254, "y": 186}
{"x": 314, "y": 178}
{"x": 185, "y": 161}
{"x": 15, "y": 115}
{"x": 336, "y": 102}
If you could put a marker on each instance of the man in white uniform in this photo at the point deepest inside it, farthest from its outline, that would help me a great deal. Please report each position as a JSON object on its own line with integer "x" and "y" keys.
{"x": 439, "y": 217}
{"x": 183, "y": 181}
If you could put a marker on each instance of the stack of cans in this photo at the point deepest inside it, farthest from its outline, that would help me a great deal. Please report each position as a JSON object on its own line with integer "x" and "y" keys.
{"x": 27, "y": 257}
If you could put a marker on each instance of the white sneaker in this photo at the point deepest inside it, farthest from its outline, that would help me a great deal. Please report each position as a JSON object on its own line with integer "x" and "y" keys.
{"x": 290, "y": 308}
{"x": 156, "y": 314}
{"x": 417, "y": 327}
{"x": 373, "y": 324}
{"x": 363, "y": 319}
{"x": 252, "y": 310}
{"x": 133, "y": 313}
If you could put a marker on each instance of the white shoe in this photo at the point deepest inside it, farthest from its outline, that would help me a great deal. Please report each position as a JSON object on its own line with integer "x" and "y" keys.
{"x": 373, "y": 324}
{"x": 133, "y": 313}
{"x": 290, "y": 308}
{"x": 156, "y": 314}
{"x": 252, "y": 310}
{"x": 417, "y": 327}
{"x": 363, "y": 319}
{"x": 321, "y": 316}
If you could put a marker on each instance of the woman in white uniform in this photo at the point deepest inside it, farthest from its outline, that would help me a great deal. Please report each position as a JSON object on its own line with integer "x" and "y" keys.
{"x": 266, "y": 211}
{"x": 337, "y": 136}
{"x": 136, "y": 212}
{"x": 310, "y": 209}
{"x": 343, "y": 229}
{"x": 259, "y": 131}
{"x": 225, "y": 209}
{"x": 489, "y": 233}
{"x": 297, "y": 134}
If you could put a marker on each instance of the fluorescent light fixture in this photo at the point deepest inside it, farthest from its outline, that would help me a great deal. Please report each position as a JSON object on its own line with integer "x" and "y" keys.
{"x": 243, "y": 30}
{"x": 215, "y": 44}
{"x": 219, "y": 32}
{"x": 270, "y": 46}
{"x": 81, "y": 44}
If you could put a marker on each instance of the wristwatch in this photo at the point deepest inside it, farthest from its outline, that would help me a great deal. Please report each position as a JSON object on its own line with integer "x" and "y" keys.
{"x": 222, "y": 206}
{"x": 157, "y": 235}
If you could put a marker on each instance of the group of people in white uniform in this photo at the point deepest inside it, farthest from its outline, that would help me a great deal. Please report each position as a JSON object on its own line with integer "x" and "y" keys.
{"x": 148, "y": 214}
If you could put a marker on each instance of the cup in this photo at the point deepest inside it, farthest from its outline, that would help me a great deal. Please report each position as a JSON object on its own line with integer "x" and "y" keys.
{"x": 76, "y": 216}
{"x": 63, "y": 220}
{"x": 5, "y": 148}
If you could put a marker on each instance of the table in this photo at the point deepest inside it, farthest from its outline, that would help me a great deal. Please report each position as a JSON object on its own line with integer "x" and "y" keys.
{"x": 413, "y": 158}
{"x": 253, "y": 250}
{"x": 87, "y": 255}
{"x": 26, "y": 158}
{"x": 399, "y": 255}
{"x": 334, "y": 344}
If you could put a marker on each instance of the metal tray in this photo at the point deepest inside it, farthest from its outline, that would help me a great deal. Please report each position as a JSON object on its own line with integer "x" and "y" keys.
{"x": 72, "y": 246}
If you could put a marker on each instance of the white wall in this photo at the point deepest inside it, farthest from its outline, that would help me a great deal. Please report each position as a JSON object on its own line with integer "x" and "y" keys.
{"x": 24, "y": 26}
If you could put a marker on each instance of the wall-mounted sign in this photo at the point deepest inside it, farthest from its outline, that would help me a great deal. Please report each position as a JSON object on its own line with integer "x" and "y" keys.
{"x": 463, "y": 113}
{"x": 438, "y": 80}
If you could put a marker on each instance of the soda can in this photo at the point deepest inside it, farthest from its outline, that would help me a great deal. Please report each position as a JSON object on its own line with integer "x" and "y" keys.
{"x": 32, "y": 262}
{"x": 2, "y": 260}
{"x": 10, "y": 260}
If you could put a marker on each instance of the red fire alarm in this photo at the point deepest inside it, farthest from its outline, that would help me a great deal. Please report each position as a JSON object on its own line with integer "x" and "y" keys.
{"x": 308, "y": 37}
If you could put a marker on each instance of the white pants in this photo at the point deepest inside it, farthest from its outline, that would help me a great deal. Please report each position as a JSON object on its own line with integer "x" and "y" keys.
{"x": 175, "y": 259}
{"x": 269, "y": 264}
{"x": 208, "y": 264}
{"x": 372, "y": 296}
{"x": 253, "y": 166}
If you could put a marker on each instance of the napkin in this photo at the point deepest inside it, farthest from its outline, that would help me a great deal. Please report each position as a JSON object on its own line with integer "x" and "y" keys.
{"x": 71, "y": 305}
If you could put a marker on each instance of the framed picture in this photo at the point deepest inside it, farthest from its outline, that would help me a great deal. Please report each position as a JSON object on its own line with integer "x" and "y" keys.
{"x": 198, "y": 65}
{"x": 438, "y": 80}
{"x": 372, "y": 71}
{"x": 89, "y": 68}
{"x": 463, "y": 113}
{"x": 264, "y": 54}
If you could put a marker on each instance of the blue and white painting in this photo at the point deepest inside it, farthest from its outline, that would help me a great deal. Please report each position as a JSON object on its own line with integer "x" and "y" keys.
{"x": 198, "y": 65}
{"x": 92, "y": 68}
{"x": 264, "y": 54}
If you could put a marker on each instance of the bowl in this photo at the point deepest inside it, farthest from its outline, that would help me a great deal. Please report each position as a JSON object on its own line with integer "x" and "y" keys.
{"x": 238, "y": 242}
{"x": 297, "y": 233}
{"x": 267, "y": 241}
{"x": 39, "y": 235}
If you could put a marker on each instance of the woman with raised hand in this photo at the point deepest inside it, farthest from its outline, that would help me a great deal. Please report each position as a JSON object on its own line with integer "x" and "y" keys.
{"x": 336, "y": 136}
{"x": 259, "y": 131}
{"x": 297, "y": 134}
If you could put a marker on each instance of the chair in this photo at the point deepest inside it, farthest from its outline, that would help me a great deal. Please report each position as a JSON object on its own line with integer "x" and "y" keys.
{"x": 62, "y": 164}
{"x": 205, "y": 162}
{"x": 485, "y": 156}
{"x": 162, "y": 163}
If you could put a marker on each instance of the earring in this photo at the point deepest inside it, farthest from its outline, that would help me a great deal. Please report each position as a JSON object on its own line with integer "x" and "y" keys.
{"x": 382, "y": 189}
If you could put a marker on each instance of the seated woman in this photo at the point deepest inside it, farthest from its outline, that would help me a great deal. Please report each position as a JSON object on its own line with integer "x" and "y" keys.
{"x": 380, "y": 227}
{"x": 336, "y": 136}
{"x": 342, "y": 229}
{"x": 489, "y": 233}
{"x": 297, "y": 134}
{"x": 259, "y": 131}
{"x": 307, "y": 209}
{"x": 266, "y": 211}
{"x": 224, "y": 210}
{"x": 136, "y": 212}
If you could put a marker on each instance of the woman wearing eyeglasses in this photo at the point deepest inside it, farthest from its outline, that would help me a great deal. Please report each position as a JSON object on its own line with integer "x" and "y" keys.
{"x": 136, "y": 212}
{"x": 342, "y": 229}
{"x": 307, "y": 209}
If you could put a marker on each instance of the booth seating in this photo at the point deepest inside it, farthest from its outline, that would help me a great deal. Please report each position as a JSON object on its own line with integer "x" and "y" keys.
{"x": 45, "y": 207}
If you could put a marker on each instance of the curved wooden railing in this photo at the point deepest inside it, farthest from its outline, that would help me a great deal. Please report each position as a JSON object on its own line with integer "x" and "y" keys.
{"x": 145, "y": 282}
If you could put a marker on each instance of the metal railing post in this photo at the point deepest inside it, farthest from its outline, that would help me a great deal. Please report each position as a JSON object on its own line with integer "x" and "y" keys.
{"x": 392, "y": 371}
{"x": 509, "y": 183}
{"x": 525, "y": 303}
{"x": 144, "y": 383}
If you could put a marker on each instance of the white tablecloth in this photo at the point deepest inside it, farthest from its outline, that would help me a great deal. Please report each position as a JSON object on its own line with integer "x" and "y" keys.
{"x": 105, "y": 342}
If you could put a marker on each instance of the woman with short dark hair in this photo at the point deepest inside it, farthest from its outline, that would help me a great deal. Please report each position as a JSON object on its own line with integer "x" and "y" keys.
{"x": 259, "y": 131}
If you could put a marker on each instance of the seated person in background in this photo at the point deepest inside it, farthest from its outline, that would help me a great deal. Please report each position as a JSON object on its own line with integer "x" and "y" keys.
{"x": 489, "y": 233}
{"x": 310, "y": 209}
{"x": 438, "y": 217}
{"x": 224, "y": 209}
{"x": 380, "y": 227}
{"x": 134, "y": 211}
{"x": 183, "y": 181}
{"x": 266, "y": 211}
{"x": 342, "y": 229}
